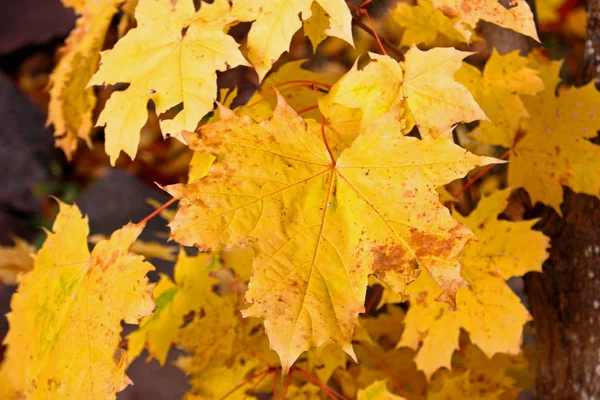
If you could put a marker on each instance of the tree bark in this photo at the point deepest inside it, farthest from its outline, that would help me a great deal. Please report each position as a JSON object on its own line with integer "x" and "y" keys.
{"x": 565, "y": 299}
{"x": 565, "y": 302}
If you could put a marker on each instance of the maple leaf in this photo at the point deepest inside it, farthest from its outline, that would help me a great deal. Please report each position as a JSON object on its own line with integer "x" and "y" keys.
{"x": 556, "y": 139}
{"x": 15, "y": 261}
{"x": 359, "y": 97}
{"x": 497, "y": 90}
{"x": 517, "y": 17}
{"x": 212, "y": 336}
{"x": 276, "y": 21}
{"x": 474, "y": 375}
{"x": 71, "y": 102}
{"x": 65, "y": 322}
{"x": 278, "y": 183}
{"x": 191, "y": 291}
{"x": 377, "y": 391}
{"x": 435, "y": 99}
{"x": 378, "y": 358}
{"x": 424, "y": 81}
{"x": 306, "y": 392}
{"x": 171, "y": 58}
{"x": 425, "y": 25}
{"x": 488, "y": 309}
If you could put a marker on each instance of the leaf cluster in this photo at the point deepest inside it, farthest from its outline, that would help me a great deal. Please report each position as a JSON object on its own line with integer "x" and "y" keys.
{"x": 323, "y": 184}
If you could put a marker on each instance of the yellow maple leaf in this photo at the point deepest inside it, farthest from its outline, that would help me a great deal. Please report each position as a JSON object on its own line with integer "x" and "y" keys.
{"x": 211, "y": 337}
{"x": 15, "y": 261}
{"x": 455, "y": 387}
{"x": 276, "y": 21}
{"x": 488, "y": 309}
{"x": 435, "y": 99}
{"x": 475, "y": 376}
{"x": 71, "y": 102}
{"x": 307, "y": 391}
{"x": 171, "y": 58}
{"x": 377, "y": 362}
{"x": 359, "y": 97}
{"x": 555, "y": 149}
{"x": 517, "y": 17}
{"x": 191, "y": 290}
{"x": 424, "y": 84}
{"x": 65, "y": 323}
{"x": 276, "y": 185}
{"x": 497, "y": 90}
{"x": 324, "y": 360}
{"x": 423, "y": 24}
{"x": 377, "y": 391}
{"x": 430, "y": 326}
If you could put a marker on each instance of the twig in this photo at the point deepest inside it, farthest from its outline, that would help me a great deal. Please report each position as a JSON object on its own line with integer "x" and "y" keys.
{"x": 389, "y": 45}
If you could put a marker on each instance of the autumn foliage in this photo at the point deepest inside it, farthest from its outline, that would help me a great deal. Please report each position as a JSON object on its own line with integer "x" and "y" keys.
{"x": 322, "y": 184}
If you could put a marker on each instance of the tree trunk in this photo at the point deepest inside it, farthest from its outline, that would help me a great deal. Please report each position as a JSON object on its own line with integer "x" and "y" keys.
{"x": 565, "y": 303}
{"x": 565, "y": 299}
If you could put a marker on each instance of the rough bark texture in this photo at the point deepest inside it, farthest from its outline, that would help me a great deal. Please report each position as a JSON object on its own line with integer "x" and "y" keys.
{"x": 592, "y": 44}
{"x": 565, "y": 300}
{"x": 565, "y": 303}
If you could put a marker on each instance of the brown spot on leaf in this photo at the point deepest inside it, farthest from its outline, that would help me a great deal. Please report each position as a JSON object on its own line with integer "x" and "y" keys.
{"x": 394, "y": 258}
{"x": 119, "y": 356}
{"x": 425, "y": 244}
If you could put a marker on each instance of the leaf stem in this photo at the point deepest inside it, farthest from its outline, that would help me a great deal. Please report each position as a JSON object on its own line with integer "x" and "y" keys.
{"x": 332, "y": 393}
{"x": 308, "y": 109}
{"x": 262, "y": 378}
{"x": 383, "y": 41}
{"x": 326, "y": 86}
{"x": 255, "y": 354}
{"x": 325, "y": 140}
{"x": 157, "y": 211}
{"x": 275, "y": 373}
{"x": 245, "y": 381}
{"x": 286, "y": 385}
{"x": 481, "y": 173}
{"x": 384, "y": 368}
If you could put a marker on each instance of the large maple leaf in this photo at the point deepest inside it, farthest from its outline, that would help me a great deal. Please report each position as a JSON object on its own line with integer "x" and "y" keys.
{"x": 65, "y": 322}
{"x": 488, "y": 309}
{"x": 276, "y": 21}
{"x": 323, "y": 224}
{"x": 171, "y": 58}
